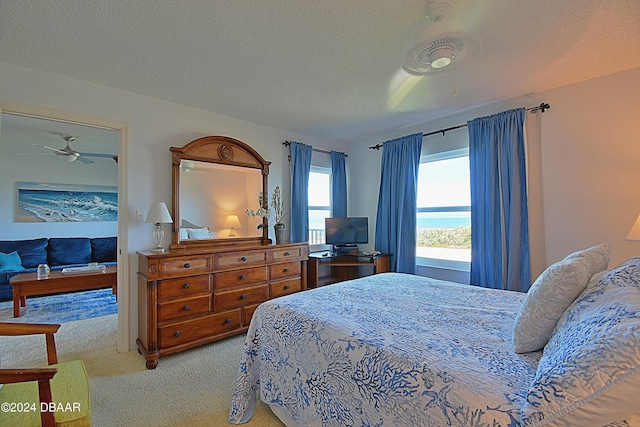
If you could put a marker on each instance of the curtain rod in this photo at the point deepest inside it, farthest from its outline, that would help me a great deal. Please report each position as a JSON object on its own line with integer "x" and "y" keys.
{"x": 542, "y": 107}
{"x": 288, "y": 143}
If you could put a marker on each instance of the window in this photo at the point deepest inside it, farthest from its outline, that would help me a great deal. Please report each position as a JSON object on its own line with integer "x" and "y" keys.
{"x": 444, "y": 210}
{"x": 319, "y": 203}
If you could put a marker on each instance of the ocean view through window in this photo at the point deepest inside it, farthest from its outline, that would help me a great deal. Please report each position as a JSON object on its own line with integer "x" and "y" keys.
{"x": 319, "y": 203}
{"x": 444, "y": 210}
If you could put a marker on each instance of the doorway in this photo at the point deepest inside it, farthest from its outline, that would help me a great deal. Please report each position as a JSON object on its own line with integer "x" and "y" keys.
{"x": 51, "y": 146}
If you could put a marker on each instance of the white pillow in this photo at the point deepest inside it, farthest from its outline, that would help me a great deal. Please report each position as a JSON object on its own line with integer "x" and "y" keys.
{"x": 184, "y": 234}
{"x": 589, "y": 373}
{"x": 549, "y": 296}
{"x": 595, "y": 279}
{"x": 200, "y": 233}
{"x": 598, "y": 257}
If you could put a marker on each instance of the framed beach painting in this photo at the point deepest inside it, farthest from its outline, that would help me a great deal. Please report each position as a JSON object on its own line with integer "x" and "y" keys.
{"x": 43, "y": 202}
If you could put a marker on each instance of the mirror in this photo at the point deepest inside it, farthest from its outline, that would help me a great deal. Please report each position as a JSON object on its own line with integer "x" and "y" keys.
{"x": 215, "y": 180}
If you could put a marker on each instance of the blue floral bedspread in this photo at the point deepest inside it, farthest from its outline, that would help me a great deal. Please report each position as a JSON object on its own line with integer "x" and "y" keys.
{"x": 387, "y": 350}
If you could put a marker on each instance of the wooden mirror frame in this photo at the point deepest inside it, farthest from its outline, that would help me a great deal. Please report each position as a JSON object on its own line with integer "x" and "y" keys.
{"x": 225, "y": 151}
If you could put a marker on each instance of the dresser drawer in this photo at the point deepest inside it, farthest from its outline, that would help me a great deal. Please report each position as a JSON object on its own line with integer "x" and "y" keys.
{"x": 247, "y": 314}
{"x": 239, "y": 298}
{"x": 203, "y": 327}
{"x": 285, "y": 287}
{"x": 185, "y": 265}
{"x": 288, "y": 269}
{"x": 184, "y": 307}
{"x": 246, "y": 277}
{"x": 240, "y": 259}
{"x": 288, "y": 253}
{"x": 183, "y": 286}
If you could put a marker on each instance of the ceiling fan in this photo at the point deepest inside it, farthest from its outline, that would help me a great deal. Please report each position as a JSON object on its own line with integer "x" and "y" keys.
{"x": 72, "y": 155}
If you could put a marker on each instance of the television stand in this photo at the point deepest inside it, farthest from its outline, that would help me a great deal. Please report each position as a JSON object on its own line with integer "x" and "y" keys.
{"x": 346, "y": 249}
{"x": 343, "y": 266}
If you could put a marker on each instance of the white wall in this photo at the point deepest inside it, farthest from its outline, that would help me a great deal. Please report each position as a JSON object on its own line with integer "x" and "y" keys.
{"x": 154, "y": 126}
{"x": 590, "y": 164}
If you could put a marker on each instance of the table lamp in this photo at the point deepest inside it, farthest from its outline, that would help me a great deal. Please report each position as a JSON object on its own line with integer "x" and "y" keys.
{"x": 232, "y": 222}
{"x": 159, "y": 214}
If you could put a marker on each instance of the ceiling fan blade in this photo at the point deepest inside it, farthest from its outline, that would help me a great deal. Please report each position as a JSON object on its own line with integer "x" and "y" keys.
{"x": 85, "y": 160}
{"x": 106, "y": 156}
{"x": 57, "y": 150}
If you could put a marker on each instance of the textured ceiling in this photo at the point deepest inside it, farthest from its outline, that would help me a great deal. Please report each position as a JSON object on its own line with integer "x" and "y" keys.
{"x": 330, "y": 68}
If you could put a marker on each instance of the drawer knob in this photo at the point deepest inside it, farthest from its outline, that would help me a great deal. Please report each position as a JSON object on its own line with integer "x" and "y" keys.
{"x": 187, "y": 265}
{"x": 186, "y": 308}
{"x": 243, "y": 296}
{"x": 287, "y": 253}
{"x": 243, "y": 277}
{"x": 176, "y": 334}
{"x": 186, "y": 286}
{"x": 243, "y": 258}
{"x": 286, "y": 287}
{"x": 227, "y": 321}
{"x": 286, "y": 270}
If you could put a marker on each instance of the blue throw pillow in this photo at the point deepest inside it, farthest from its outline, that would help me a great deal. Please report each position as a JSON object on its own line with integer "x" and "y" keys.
{"x": 103, "y": 249}
{"x": 10, "y": 262}
{"x": 31, "y": 251}
{"x": 69, "y": 250}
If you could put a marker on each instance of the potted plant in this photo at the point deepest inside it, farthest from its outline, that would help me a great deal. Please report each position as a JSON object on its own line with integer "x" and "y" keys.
{"x": 278, "y": 213}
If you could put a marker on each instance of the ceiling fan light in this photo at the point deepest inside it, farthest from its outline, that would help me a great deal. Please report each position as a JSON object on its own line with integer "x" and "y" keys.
{"x": 441, "y": 57}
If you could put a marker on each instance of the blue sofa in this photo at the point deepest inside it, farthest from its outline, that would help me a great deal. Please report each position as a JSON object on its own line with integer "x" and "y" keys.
{"x": 57, "y": 252}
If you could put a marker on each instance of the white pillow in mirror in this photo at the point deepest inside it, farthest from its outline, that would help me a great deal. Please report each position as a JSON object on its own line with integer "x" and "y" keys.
{"x": 184, "y": 234}
{"x": 200, "y": 233}
{"x": 547, "y": 299}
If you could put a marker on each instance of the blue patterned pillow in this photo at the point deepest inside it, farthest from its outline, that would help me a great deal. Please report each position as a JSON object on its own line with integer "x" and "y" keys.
{"x": 547, "y": 299}
{"x": 598, "y": 257}
{"x": 10, "y": 262}
{"x": 589, "y": 373}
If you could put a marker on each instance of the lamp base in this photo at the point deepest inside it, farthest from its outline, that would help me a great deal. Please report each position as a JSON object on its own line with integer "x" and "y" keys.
{"x": 158, "y": 234}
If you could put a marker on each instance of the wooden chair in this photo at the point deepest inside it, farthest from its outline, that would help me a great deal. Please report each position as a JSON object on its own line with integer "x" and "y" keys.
{"x": 54, "y": 396}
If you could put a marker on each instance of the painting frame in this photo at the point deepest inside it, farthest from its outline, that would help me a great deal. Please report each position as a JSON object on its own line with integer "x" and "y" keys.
{"x": 59, "y": 202}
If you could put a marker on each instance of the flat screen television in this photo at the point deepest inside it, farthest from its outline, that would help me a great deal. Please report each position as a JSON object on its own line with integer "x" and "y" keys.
{"x": 346, "y": 231}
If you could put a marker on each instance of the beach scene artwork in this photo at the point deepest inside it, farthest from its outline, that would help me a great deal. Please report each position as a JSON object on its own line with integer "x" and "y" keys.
{"x": 44, "y": 202}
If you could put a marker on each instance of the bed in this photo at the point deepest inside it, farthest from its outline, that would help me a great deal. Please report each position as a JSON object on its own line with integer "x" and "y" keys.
{"x": 403, "y": 350}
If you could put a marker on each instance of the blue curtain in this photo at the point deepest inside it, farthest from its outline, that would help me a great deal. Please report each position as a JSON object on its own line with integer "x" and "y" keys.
{"x": 499, "y": 219}
{"x": 301, "y": 166}
{"x": 338, "y": 185}
{"x": 397, "y": 202}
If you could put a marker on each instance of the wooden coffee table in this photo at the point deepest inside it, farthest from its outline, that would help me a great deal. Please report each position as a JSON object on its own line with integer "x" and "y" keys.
{"x": 27, "y": 284}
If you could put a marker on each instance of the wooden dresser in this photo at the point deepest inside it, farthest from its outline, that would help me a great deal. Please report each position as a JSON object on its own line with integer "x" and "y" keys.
{"x": 190, "y": 297}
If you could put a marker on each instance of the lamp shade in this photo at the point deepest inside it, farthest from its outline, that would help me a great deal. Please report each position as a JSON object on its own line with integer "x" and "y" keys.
{"x": 634, "y": 233}
{"x": 232, "y": 221}
{"x": 159, "y": 214}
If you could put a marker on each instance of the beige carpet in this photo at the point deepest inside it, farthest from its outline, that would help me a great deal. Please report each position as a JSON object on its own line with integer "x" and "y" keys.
{"x": 192, "y": 388}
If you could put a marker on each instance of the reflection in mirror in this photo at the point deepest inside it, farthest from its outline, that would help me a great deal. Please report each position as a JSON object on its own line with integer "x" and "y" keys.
{"x": 211, "y": 193}
{"x": 216, "y": 179}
